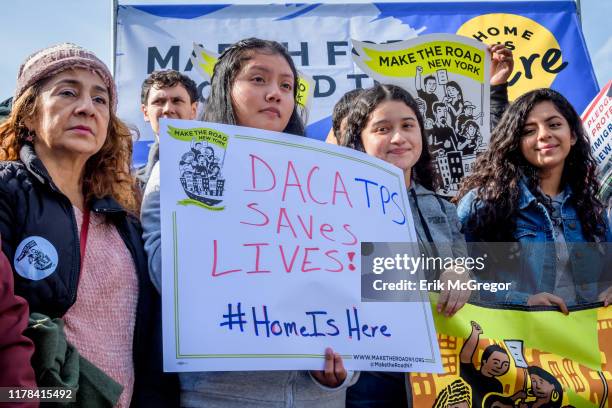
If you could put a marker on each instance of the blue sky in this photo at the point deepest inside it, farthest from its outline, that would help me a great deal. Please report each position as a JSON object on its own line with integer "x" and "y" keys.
{"x": 34, "y": 24}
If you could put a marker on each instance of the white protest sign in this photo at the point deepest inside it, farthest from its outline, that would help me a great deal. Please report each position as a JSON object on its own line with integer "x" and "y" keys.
{"x": 260, "y": 244}
{"x": 449, "y": 75}
{"x": 597, "y": 119}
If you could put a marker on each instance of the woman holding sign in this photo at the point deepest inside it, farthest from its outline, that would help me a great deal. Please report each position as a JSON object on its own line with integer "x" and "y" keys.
{"x": 386, "y": 123}
{"x": 254, "y": 85}
{"x": 536, "y": 185}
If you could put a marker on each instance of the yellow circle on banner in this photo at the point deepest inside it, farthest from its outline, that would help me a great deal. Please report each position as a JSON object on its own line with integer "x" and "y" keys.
{"x": 537, "y": 55}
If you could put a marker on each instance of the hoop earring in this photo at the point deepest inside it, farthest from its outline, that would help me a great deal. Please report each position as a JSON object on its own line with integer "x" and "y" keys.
{"x": 554, "y": 396}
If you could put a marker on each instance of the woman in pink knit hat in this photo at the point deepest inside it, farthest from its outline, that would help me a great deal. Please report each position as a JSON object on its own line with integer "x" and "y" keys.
{"x": 68, "y": 220}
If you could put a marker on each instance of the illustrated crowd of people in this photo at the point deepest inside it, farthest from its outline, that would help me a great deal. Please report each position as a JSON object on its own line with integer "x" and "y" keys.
{"x": 450, "y": 122}
{"x": 200, "y": 170}
{"x": 81, "y": 235}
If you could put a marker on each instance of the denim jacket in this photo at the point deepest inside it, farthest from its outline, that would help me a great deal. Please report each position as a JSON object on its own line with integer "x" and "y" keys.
{"x": 534, "y": 271}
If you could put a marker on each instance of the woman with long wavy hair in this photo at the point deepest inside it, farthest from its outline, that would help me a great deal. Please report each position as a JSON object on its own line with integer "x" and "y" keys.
{"x": 535, "y": 185}
{"x": 68, "y": 220}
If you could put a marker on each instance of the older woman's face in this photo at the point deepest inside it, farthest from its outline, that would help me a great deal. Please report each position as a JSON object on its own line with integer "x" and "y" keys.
{"x": 72, "y": 114}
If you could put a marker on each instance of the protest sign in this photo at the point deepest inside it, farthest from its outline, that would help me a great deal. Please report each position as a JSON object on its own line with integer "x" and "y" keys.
{"x": 449, "y": 75}
{"x": 597, "y": 119}
{"x": 544, "y": 36}
{"x": 260, "y": 245}
{"x": 505, "y": 358}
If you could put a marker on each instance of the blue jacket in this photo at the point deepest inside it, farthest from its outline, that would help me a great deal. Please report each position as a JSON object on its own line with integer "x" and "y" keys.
{"x": 534, "y": 271}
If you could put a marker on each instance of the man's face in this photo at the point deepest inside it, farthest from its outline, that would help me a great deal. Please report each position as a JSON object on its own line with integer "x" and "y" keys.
{"x": 430, "y": 85}
{"x": 172, "y": 102}
{"x": 496, "y": 365}
{"x": 468, "y": 110}
{"x": 440, "y": 113}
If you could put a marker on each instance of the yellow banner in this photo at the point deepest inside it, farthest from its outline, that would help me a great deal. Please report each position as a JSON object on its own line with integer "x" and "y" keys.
{"x": 199, "y": 135}
{"x": 508, "y": 358}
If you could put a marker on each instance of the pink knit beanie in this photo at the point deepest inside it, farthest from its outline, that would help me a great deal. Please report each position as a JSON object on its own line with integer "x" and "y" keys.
{"x": 53, "y": 60}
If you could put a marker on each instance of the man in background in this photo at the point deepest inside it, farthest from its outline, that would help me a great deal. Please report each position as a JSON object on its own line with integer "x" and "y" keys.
{"x": 165, "y": 94}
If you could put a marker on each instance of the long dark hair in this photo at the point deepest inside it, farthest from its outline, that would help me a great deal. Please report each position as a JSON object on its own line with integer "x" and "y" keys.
{"x": 356, "y": 121}
{"x": 498, "y": 171}
{"x": 219, "y": 106}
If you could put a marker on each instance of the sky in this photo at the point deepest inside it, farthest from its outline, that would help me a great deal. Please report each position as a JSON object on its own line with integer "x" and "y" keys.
{"x": 29, "y": 25}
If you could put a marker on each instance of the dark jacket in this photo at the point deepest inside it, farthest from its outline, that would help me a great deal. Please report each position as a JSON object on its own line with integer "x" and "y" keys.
{"x": 5, "y": 109}
{"x": 40, "y": 236}
{"x": 499, "y": 103}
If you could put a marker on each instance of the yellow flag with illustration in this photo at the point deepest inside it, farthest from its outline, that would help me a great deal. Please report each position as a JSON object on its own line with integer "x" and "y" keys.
{"x": 496, "y": 357}
{"x": 448, "y": 75}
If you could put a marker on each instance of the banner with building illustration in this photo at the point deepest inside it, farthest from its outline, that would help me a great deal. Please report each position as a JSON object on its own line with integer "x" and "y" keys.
{"x": 449, "y": 77}
{"x": 544, "y": 35}
{"x": 260, "y": 242}
{"x": 507, "y": 358}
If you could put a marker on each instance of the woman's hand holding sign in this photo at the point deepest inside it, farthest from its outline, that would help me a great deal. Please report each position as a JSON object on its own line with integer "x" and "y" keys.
{"x": 334, "y": 372}
{"x": 451, "y": 299}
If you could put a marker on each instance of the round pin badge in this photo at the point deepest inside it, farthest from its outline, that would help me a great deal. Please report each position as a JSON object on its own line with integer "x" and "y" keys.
{"x": 35, "y": 258}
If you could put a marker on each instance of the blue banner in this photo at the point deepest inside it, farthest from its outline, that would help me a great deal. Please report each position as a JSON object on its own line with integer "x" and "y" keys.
{"x": 545, "y": 37}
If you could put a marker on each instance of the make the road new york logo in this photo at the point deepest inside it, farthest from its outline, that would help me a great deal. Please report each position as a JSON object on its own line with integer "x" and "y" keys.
{"x": 201, "y": 166}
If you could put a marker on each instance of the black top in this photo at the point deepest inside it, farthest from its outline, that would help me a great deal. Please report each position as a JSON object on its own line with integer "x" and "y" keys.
{"x": 430, "y": 99}
{"x": 481, "y": 385}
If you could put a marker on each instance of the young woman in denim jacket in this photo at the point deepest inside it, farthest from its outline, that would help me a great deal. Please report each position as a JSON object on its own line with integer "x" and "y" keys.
{"x": 536, "y": 185}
